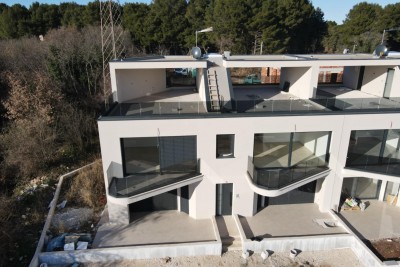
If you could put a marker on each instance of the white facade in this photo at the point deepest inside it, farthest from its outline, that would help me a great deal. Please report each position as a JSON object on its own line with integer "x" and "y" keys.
{"x": 142, "y": 81}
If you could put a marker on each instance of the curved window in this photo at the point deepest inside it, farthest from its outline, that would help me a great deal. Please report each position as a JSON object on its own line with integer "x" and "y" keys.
{"x": 280, "y": 159}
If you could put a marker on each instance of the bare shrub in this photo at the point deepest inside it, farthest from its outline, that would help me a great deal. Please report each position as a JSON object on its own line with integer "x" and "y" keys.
{"x": 29, "y": 157}
{"x": 88, "y": 187}
{"x": 23, "y": 56}
{"x": 30, "y": 139}
{"x": 38, "y": 97}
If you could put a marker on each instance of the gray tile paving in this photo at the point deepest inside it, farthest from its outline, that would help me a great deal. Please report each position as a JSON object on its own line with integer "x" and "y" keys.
{"x": 379, "y": 220}
{"x": 288, "y": 220}
{"x": 158, "y": 227}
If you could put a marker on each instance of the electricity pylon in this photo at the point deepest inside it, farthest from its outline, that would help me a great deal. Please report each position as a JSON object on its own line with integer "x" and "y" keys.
{"x": 111, "y": 40}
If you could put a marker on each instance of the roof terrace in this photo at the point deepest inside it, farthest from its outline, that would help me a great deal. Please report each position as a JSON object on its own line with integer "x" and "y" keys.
{"x": 256, "y": 101}
{"x": 142, "y": 86}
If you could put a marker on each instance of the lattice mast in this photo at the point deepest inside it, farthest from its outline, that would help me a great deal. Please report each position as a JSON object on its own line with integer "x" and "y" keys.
{"x": 258, "y": 44}
{"x": 111, "y": 40}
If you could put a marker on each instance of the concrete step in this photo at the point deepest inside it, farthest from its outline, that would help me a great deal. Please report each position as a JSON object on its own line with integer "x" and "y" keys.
{"x": 236, "y": 243}
{"x": 231, "y": 248}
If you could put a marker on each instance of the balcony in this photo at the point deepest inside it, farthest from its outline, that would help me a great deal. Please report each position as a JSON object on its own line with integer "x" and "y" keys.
{"x": 283, "y": 159}
{"x": 278, "y": 178}
{"x": 137, "y": 184}
{"x": 154, "y": 164}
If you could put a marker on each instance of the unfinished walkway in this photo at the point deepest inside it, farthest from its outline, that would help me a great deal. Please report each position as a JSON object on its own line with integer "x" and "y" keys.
{"x": 288, "y": 221}
{"x": 158, "y": 227}
{"x": 379, "y": 220}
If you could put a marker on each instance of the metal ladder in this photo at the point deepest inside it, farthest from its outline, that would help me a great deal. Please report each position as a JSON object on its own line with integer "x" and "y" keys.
{"x": 213, "y": 90}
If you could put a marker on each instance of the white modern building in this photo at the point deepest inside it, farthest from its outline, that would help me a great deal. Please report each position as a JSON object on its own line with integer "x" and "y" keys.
{"x": 221, "y": 148}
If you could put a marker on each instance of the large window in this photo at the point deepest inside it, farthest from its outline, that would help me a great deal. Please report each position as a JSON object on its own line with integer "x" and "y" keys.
{"x": 159, "y": 154}
{"x": 271, "y": 150}
{"x": 283, "y": 158}
{"x": 275, "y": 150}
{"x": 375, "y": 150}
{"x": 141, "y": 155}
{"x": 360, "y": 187}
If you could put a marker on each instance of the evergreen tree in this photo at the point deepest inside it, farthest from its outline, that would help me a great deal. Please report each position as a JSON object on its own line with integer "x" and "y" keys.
{"x": 14, "y": 21}
{"x": 229, "y": 19}
{"x": 166, "y": 24}
{"x": 332, "y": 39}
{"x": 134, "y": 21}
{"x": 43, "y": 17}
{"x": 361, "y": 27}
{"x": 391, "y": 20}
{"x": 91, "y": 13}
{"x": 72, "y": 15}
{"x": 195, "y": 15}
{"x": 268, "y": 21}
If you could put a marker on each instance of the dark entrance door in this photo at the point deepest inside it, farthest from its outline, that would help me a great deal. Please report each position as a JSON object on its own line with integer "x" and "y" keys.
{"x": 185, "y": 199}
{"x": 360, "y": 77}
{"x": 224, "y": 199}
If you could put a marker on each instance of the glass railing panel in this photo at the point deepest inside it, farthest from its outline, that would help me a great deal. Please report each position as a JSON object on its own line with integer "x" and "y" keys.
{"x": 138, "y": 183}
{"x": 358, "y": 104}
{"x": 141, "y": 183}
{"x": 257, "y": 105}
{"x": 277, "y": 178}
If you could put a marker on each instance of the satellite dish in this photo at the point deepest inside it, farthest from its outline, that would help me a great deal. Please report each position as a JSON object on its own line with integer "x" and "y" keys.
{"x": 196, "y": 52}
{"x": 381, "y": 51}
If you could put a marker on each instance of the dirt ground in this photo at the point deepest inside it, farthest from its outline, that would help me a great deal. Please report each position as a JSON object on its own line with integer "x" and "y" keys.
{"x": 331, "y": 258}
{"x": 387, "y": 248}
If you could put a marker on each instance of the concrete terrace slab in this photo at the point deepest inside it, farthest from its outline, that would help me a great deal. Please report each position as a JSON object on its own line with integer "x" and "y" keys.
{"x": 173, "y": 101}
{"x": 349, "y": 99}
{"x": 171, "y": 95}
{"x": 159, "y": 227}
{"x": 288, "y": 220}
{"x": 273, "y": 92}
{"x": 269, "y": 98}
{"x": 379, "y": 220}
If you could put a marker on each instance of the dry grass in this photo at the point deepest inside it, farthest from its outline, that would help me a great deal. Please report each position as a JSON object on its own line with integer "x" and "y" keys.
{"x": 21, "y": 219}
{"x": 82, "y": 191}
{"x": 7, "y": 214}
{"x": 87, "y": 188}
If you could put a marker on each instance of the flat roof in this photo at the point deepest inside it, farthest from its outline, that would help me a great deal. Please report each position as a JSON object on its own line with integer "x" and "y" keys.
{"x": 318, "y": 60}
{"x": 248, "y": 61}
{"x": 289, "y": 57}
{"x": 158, "y": 62}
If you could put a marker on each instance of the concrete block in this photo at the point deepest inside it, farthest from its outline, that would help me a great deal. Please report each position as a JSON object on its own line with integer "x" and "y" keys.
{"x": 118, "y": 214}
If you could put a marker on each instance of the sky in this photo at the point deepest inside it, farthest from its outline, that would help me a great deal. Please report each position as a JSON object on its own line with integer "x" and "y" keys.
{"x": 334, "y": 10}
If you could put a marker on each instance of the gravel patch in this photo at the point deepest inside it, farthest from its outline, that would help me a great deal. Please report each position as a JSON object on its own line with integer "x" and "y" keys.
{"x": 71, "y": 219}
{"x": 331, "y": 258}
